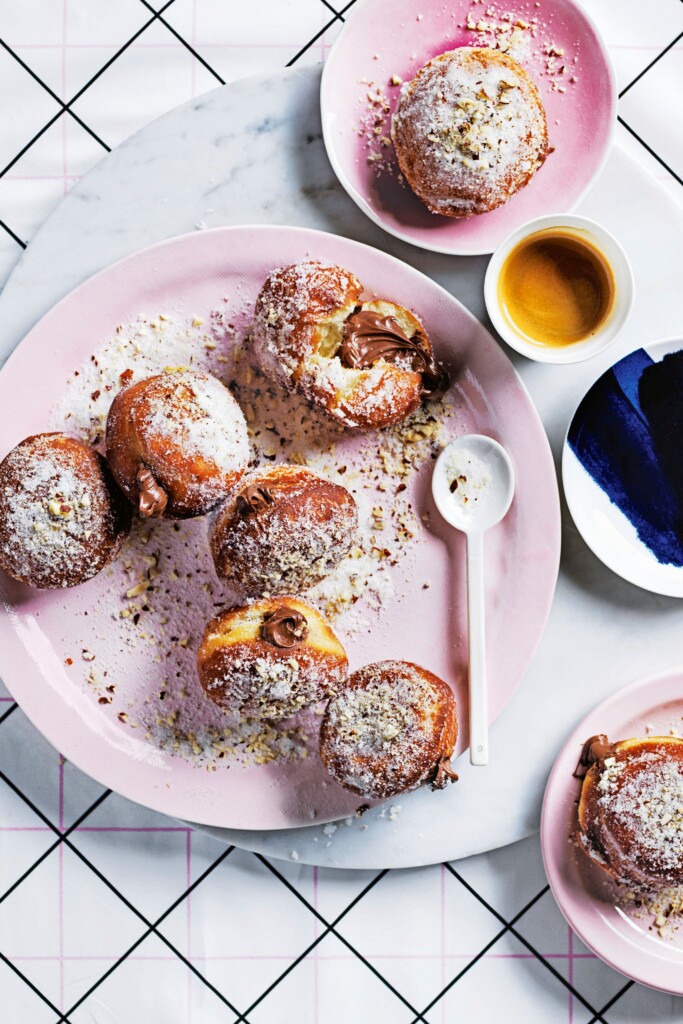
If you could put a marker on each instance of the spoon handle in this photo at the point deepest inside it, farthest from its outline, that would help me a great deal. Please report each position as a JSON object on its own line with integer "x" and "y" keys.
{"x": 476, "y": 616}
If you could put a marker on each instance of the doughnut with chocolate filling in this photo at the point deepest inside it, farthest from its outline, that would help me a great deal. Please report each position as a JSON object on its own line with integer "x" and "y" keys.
{"x": 469, "y": 131}
{"x": 631, "y": 809}
{"x": 390, "y": 729}
{"x": 270, "y": 659}
{"x": 62, "y": 517}
{"x": 282, "y": 531}
{"x": 176, "y": 443}
{"x": 367, "y": 364}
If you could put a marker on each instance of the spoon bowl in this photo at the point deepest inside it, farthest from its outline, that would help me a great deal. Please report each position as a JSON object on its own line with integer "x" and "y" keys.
{"x": 473, "y": 485}
{"x": 483, "y": 498}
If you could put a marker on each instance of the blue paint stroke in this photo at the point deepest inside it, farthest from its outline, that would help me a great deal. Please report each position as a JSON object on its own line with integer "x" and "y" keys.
{"x": 628, "y": 435}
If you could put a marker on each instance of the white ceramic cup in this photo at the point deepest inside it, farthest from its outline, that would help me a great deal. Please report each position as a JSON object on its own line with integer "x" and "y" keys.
{"x": 623, "y": 286}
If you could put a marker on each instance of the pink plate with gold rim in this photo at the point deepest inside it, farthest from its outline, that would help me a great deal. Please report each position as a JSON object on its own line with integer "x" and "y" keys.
{"x": 43, "y": 634}
{"x": 622, "y": 937}
{"x": 387, "y": 39}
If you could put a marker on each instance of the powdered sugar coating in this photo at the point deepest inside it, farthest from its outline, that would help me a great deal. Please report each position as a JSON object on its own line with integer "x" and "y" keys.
{"x": 188, "y": 430}
{"x": 469, "y": 131}
{"x": 290, "y": 544}
{"x": 61, "y": 517}
{"x": 633, "y": 813}
{"x": 389, "y": 729}
{"x": 243, "y": 672}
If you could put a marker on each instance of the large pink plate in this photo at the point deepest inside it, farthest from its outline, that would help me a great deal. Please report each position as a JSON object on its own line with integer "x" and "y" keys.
{"x": 38, "y": 631}
{"x": 386, "y": 38}
{"x": 622, "y": 939}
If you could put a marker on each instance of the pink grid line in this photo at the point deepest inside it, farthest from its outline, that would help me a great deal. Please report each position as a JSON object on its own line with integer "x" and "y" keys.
{"x": 61, "y": 884}
{"x": 315, "y": 951}
{"x": 442, "y": 908}
{"x": 188, "y": 918}
{"x": 212, "y": 44}
{"x": 171, "y": 45}
{"x": 570, "y": 976}
{"x": 331, "y": 956}
{"x": 97, "y": 828}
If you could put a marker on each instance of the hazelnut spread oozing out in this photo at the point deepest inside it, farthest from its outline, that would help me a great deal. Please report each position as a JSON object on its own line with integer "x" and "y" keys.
{"x": 285, "y": 627}
{"x": 444, "y": 774}
{"x": 252, "y": 498}
{"x": 369, "y": 337}
{"x": 594, "y": 751}
{"x": 153, "y": 499}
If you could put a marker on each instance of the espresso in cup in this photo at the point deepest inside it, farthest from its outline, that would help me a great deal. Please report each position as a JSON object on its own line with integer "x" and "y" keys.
{"x": 556, "y": 288}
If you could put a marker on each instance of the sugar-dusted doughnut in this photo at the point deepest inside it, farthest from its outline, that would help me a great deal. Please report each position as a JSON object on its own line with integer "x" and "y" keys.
{"x": 631, "y": 809}
{"x": 282, "y": 530}
{"x": 176, "y": 443}
{"x": 469, "y": 131}
{"x": 270, "y": 659}
{"x": 62, "y": 518}
{"x": 367, "y": 364}
{"x": 391, "y": 728}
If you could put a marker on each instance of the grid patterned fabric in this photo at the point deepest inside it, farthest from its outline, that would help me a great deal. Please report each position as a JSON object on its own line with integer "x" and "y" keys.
{"x": 111, "y": 913}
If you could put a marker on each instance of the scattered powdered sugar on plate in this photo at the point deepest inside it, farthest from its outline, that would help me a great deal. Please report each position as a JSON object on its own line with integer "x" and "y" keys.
{"x": 163, "y": 590}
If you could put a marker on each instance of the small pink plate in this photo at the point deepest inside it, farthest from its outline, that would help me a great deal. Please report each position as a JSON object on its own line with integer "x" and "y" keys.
{"x": 584, "y": 895}
{"x": 43, "y": 634}
{"x": 387, "y": 38}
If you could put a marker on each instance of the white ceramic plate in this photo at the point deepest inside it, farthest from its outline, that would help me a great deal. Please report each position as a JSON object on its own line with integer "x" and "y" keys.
{"x": 622, "y": 467}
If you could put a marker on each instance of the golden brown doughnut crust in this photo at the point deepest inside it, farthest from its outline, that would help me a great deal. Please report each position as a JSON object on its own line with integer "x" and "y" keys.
{"x": 390, "y": 729}
{"x": 631, "y": 811}
{"x": 282, "y": 530}
{"x": 244, "y": 671}
{"x": 469, "y": 131}
{"x": 297, "y": 332}
{"x": 187, "y": 431}
{"x": 62, "y": 518}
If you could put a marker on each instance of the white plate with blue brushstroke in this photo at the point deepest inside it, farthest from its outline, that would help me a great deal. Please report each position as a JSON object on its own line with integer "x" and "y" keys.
{"x": 622, "y": 467}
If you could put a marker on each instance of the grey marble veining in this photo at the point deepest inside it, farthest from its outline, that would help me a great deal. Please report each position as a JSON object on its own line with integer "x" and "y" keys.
{"x": 252, "y": 152}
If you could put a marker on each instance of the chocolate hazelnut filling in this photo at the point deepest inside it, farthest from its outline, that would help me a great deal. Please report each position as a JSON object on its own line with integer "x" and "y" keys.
{"x": 595, "y": 751}
{"x": 285, "y": 628}
{"x": 443, "y": 774}
{"x": 152, "y": 498}
{"x": 368, "y": 337}
{"x": 252, "y": 498}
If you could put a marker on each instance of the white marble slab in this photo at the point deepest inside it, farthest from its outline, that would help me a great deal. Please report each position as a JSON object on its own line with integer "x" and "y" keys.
{"x": 252, "y": 152}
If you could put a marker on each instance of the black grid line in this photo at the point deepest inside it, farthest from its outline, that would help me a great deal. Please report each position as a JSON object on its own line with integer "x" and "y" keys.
{"x": 316, "y": 942}
{"x": 188, "y": 46}
{"x": 651, "y": 64}
{"x": 650, "y": 150}
{"x": 339, "y": 16}
{"x": 33, "y": 987}
{"x": 509, "y": 927}
{"x": 331, "y": 929}
{"x": 151, "y": 927}
{"x": 484, "y": 950}
{"x": 64, "y": 107}
{"x": 13, "y": 707}
{"x": 46, "y": 853}
{"x": 608, "y": 1005}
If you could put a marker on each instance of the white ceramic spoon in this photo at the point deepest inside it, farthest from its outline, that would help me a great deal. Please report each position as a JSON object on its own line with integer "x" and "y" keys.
{"x": 473, "y": 485}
